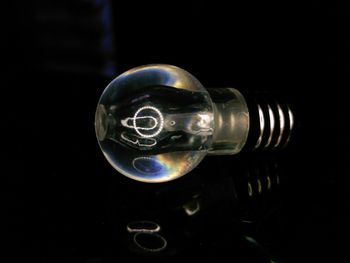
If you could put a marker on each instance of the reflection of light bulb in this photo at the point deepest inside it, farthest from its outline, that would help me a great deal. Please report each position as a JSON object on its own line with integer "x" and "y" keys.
{"x": 155, "y": 123}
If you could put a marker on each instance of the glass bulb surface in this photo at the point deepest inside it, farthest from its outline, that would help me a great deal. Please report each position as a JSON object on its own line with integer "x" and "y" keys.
{"x": 155, "y": 123}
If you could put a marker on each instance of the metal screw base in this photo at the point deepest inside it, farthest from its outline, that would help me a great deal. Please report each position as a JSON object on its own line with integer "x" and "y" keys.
{"x": 272, "y": 123}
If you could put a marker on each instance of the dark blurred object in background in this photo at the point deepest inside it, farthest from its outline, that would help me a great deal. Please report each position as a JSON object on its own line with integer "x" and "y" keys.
{"x": 63, "y": 37}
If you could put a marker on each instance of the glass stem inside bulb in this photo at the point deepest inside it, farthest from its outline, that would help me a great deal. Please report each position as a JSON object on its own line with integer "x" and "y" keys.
{"x": 231, "y": 119}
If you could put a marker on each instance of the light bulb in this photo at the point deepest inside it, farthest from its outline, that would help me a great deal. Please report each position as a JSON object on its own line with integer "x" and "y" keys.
{"x": 155, "y": 123}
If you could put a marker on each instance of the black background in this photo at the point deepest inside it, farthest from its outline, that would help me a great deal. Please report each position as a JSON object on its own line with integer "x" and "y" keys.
{"x": 64, "y": 203}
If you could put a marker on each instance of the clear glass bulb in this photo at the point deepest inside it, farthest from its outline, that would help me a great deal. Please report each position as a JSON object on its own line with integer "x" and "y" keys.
{"x": 155, "y": 123}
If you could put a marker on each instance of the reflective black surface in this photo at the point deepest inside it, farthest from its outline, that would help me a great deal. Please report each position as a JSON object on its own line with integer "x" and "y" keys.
{"x": 64, "y": 203}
